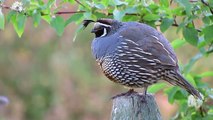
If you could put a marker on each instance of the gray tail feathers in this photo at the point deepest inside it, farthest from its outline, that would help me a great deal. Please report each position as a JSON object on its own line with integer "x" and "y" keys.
{"x": 179, "y": 80}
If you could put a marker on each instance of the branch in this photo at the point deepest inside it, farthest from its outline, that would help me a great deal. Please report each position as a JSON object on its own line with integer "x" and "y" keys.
{"x": 206, "y": 4}
{"x": 210, "y": 49}
{"x": 73, "y": 12}
{"x": 4, "y": 6}
{"x": 79, "y": 3}
{"x": 68, "y": 12}
{"x": 171, "y": 2}
{"x": 175, "y": 24}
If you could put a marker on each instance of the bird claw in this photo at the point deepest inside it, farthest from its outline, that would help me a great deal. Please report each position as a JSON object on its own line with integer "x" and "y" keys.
{"x": 128, "y": 93}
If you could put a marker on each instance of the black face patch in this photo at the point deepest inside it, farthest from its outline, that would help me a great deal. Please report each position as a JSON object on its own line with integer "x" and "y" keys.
{"x": 101, "y": 29}
{"x": 99, "y": 32}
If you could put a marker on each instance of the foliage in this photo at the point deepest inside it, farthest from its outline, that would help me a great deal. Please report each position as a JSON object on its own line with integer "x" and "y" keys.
{"x": 194, "y": 20}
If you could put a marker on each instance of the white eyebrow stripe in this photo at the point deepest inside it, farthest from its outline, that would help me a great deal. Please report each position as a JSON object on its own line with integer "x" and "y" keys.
{"x": 105, "y": 32}
{"x": 98, "y": 23}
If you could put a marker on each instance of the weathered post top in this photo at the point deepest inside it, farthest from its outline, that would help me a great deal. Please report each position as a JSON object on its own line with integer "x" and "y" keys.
{"x": 135, "y": 106}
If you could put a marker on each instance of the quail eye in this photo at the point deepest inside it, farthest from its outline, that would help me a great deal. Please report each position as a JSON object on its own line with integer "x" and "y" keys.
{"x": 101, "y": 29}
{"x": 101, "y": 33}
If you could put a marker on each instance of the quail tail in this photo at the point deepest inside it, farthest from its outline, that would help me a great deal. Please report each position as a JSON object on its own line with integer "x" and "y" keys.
{"x": 182, "y": 82}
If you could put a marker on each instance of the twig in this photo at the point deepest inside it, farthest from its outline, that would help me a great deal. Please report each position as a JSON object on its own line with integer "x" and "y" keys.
{"x": 73, "y": 12}
{"x": 210, "y": 49}
{"x": 192, "y": 20}
{"x": 175, "y": 21}
{"x": 68, "y": 12}
{"x": 175, "y": 24}
{"x": 133, "y": 14}
{"x": 171, "y": 1}
{"x": 109, "y": 14}
{"x": 206, "y": 4}
{"x": 4, "y": 6}
{"x": 80, "y": 3}
{"x": 193, "y": 1}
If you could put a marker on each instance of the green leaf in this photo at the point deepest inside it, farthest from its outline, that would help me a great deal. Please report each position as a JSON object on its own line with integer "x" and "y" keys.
{"x": 206, "y": 20}
{"x": 177, "y": 11}
{"x": 99, "y": 6}
{"x": 171, "y": 93}
{"x": 178, "y": 43}
{"x": 187, "y": 5}
{"x": 2, "y": 21}
{"x": 151, "y": 17}
{"x": 131, "y": 10}
{"x": 71, "y": 1}
{"x": 210, "y": 112}
{"x": 192, "y": 61}
{"x": 105, "y": 2}
{"x": 58, "y": 24}
{"x": 50, "y": 3}
{"x": 191, "y": 79}
{"x": 118, "y": 15}
{"x": 73, "y": 18}
{"x": 201, "y": 42}
{"x": 208, "y": 33}
{"x": 18, "y": 22}
{"x": 36, "y": 19}
{"x": 119, "y": 2}
{"x": 156, "y": 87}
{"x": 210, "y": 3}
{"x": 166, "y": 23}
{"x": 80, "y": 28}
{"x": 47, "y": 18}
{"x": 89, "y": 15}
{"x": 206, "y": 74}
{"x": 10, "y": 15}
{"x": 180, "y": 95}
{"x": 100, "y": 15}
{"x": 164, "y": 3}
{"x": 191, "y": 35}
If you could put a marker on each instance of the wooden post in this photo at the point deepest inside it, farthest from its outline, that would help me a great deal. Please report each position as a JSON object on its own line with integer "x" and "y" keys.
{"x": 135, "y": 106}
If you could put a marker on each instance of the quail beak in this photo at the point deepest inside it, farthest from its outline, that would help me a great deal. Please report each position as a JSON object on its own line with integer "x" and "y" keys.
{"x": 94, "y": 30}
{"x": 97, "y": 26}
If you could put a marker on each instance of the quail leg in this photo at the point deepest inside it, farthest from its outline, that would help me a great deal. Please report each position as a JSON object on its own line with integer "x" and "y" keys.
{"x": 145, "y": 90}
{"x": 131, "y": 91}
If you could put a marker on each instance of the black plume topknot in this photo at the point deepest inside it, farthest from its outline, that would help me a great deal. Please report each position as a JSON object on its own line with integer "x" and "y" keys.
{"x": 102, "y": 20}
{"x": 87, "y": 22}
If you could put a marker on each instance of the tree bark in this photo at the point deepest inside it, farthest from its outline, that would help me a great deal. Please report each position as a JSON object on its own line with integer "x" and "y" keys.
{"x": 135, "y": 106}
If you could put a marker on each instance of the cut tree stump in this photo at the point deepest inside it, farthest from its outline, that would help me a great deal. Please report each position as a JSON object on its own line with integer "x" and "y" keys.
{"x": 135, "y": 106}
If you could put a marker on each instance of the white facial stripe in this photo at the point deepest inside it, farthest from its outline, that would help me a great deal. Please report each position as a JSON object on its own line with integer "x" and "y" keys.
{"x": 98, "y": 23}
{"x": 105, "y": 32}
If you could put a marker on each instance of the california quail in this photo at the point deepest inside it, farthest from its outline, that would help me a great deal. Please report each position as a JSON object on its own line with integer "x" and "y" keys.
{"x": 135, "y": 55}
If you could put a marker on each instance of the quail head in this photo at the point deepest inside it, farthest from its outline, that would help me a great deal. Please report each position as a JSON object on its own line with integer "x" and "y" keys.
{"x": 135, "y": 55}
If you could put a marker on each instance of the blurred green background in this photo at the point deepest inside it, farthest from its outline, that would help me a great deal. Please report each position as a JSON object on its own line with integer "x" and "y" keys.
{"x": 47, "y": 77}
